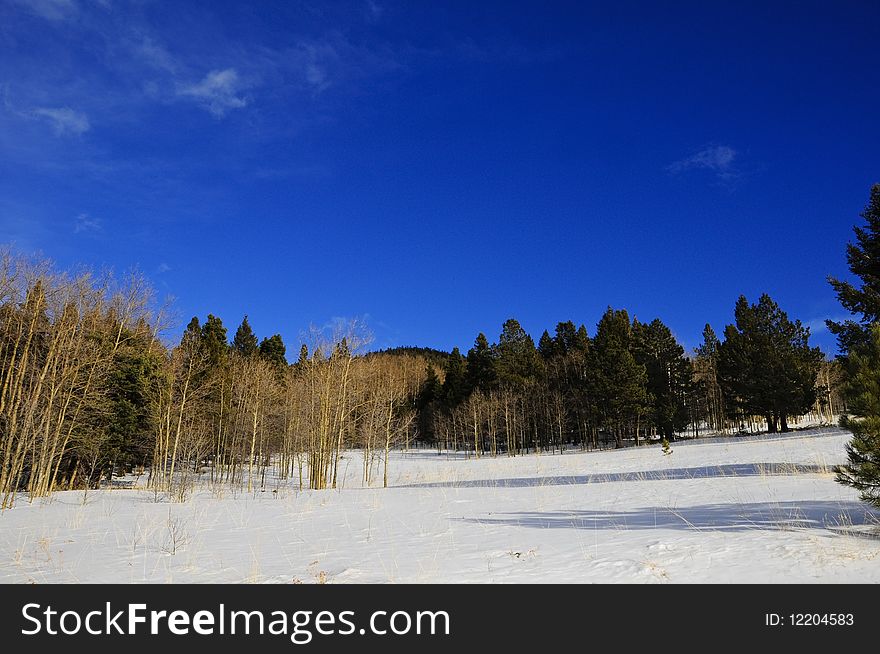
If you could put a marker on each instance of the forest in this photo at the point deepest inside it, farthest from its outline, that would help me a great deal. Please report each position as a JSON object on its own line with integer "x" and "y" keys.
{"x": 89, "y": 389}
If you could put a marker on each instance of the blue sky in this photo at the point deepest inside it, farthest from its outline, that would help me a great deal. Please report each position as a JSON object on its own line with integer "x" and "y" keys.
{"x": 440, "y": 167}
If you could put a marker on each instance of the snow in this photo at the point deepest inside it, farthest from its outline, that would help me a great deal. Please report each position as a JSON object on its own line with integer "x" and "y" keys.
{"x": 762, "y": 509}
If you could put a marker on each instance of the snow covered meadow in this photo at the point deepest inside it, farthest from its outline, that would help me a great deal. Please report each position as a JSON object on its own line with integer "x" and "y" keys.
{"x": 762, "y": 509}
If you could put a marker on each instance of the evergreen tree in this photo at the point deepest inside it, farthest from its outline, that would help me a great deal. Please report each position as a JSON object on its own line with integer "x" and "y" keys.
{"x": 193, "y": 329}
{"x": 518, "y": 361}
{"x": 706, "y": 377}
{"x": 669, "y": 375}
{"x": 303, "y": 355}
{"x": 426, "y": 402}
{"x": 245, "y": 341}
{"x": 863, "y": 258}
{"x": 129, "y": 421}
{"x": 766, "y": 365}
{"x": 581, "y": 339}
{"x": 455, "y": 387}
{"x": 214, "y": 340}
{"x": 620, "y": 382}
{"x": 546, "y": 346}
{"x": 863, "y": 391}
{"x": 568, "y": 337}
{"x": 272, "y": 350}
{"x": 481, "y": 373}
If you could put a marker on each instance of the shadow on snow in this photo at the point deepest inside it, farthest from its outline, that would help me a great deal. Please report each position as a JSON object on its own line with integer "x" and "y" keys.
{"x": 842, "y": 517}
{"x": 703, "y": 472}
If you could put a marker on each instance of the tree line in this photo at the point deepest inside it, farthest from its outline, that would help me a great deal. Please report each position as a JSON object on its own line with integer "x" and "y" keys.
{"x": 89, "y": 389}
{"x": 629, "y": 382}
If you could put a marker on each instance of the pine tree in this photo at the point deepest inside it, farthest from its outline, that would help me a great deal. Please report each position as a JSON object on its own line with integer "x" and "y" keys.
{"x": 766, "y": 365}
{"x": 669, "y": 375}
{"x": 214, "y": 340}
{"x": 193, "y": 329}
{"x": 863, "y": 259}
{"x": 455, "y": 386}
{"x": 706, "y": 377}
{"x": 568, "y": 337}
{"x": 481, "y": 373}
{"x": 546, "y": 346}
{"x": 245, "y": 341}
{"x": 272, "y": 349}
{"x": 518, "y": 361}
{"x": 303, "y": 356}
{"x": 863, "y": 391}
{"x": 426, "y": 403}
{"x": 620, "y": 382}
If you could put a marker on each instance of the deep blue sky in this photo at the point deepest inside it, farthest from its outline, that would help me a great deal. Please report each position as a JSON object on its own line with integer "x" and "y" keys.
{"x": 441, "y": 168}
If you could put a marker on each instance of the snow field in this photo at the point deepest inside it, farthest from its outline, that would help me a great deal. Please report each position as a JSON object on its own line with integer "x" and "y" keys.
{"x": 764, "y": 509}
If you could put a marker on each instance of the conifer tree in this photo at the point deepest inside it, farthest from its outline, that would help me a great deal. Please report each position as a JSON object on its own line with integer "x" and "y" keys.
{"x": 669, "y": 375}
{"x": 303, "y": 355}
{"x": 568, "y": 337}
{"x": 862, "y": 472}
{"x": 481, "y": 371}
{"x": 426, "y": 402}
{"x": 455, "y": 387}
{"x": 546, "y": 346}
{"x": 620, "y": 381}
{"x": 214, "y": 341}
{"x": 272, "y": 349}
{"x": 706, "y": 377}
{"x": 766, "y": 364}
{"x": 859, "y": 342}
{"x": 863, "y": 259}
{"x": 517, "y": 357}
{"x": 245, "y": 341}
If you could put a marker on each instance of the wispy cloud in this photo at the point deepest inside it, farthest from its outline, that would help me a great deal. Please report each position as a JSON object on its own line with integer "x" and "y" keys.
{"x": 818, "y": 326}
{"x": 163, "y": 268}
{"x": 54, "y": 10}
{"x": 86, "y": 224}
{"x": 218, "y": 92}
{"x": 154, "y": 54}
{"x": 64, "y": 120}
{"x": 717, "y": 159}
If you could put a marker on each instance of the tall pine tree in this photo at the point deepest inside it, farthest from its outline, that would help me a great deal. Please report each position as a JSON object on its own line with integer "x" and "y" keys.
{"x": 862, "y": 471}
{"x": 706, "y": 378}
{"x": 863, "y": 301}
{"x": 481, "y": 371}
{"x": 766, "y": 365}
{"x": 670, "y": 377}
{"x": 620, "y": 382}
{"x": 272, "y": 349}
{"x": 245, "y": 341}
{"x": 859, "y": 341}
{"x": 455, "y": 386}
{"x": 518, "y": 361}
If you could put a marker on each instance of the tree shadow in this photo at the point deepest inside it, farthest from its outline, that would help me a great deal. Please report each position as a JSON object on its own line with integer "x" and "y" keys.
{"x": 703, "y": 472}
{"x": 849, "y": 517}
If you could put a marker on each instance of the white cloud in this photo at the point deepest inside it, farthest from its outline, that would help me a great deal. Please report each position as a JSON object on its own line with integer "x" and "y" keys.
{"x": 86, "y": 224}
{"x": 64, "y": 120}
{"x": 818, "y": 326}
{"x": 54, "y": 10}
{"x": 154, "y": 54}
{"x": 717, "y": 159}
{"x": 218, "y": 91}
{"x": 163, "y": 268}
